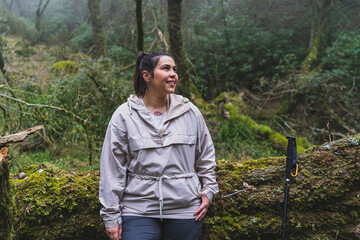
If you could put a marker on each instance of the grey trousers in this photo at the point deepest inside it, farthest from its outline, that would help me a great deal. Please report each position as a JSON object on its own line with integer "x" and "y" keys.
{"x": 145, "y": 228}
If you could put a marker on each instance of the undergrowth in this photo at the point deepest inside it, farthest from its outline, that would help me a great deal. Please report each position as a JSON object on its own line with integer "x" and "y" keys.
{"x": 234, "y": 140}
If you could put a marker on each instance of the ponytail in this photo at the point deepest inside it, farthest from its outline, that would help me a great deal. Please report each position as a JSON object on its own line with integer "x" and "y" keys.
{"x": 139, "y": 82}
{"x": 147, "y": 62}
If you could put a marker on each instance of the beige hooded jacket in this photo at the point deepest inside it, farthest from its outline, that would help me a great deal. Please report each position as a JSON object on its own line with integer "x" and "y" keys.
{"x": 156, "y": 172}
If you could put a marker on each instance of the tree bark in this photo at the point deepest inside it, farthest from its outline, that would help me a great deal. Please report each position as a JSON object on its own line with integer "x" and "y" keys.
{"x": 140, "y": 25}
{"x": 2, "y": 61}
{"x": 176, "y": 46}
{"x": 7, "y": 205}
{"x": 320, "y": 23}
{"x": 97, "y": 28}
{"x": 18, "y": 137}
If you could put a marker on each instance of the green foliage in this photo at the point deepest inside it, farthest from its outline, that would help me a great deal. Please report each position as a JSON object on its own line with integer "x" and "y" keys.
{"x": 342, "y": 58}
{"x": 81, "y": 39}
{"x": 14, "y": 25}
{"x": 236, "y": 141}
{"x": 238, "y": 54}
{"x": 61, "y": 155}
{"x": 74, "y": 108}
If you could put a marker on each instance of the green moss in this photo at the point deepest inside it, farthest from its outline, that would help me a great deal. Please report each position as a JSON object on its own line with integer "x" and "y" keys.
{"x": 25, "y": 52}
{"x": 278, "y": 141}
{"x": 7, "y": 205}
{"x": 66, "y": 66}
{"x": 19, "y": 44}
{"x": 50, "y": 200}
{"x": 323, "y": 198}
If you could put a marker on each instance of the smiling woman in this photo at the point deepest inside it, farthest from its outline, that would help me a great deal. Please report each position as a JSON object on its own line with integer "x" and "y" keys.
{"x": 157, "y": 168}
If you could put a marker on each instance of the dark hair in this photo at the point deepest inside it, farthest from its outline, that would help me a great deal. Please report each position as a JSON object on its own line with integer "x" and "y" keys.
{"x": 145, "y": 61}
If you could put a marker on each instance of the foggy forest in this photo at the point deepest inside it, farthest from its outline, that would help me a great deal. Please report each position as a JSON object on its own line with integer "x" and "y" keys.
{"x": 258, "y": 70}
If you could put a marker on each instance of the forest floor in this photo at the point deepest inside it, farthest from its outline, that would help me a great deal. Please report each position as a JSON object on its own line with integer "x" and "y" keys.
{"x": 28, "y": 63}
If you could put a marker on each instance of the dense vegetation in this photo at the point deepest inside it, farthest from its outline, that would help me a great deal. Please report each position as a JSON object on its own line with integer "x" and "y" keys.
{"x": 297, "y": 72}
{"x": 259, "y": 70}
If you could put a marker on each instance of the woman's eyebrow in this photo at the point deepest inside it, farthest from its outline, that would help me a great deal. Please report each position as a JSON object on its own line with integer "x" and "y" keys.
{"x": 167, "y": 65}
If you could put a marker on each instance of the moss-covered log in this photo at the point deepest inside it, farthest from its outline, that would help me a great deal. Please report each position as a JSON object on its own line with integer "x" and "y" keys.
{"x": 7, "y": 210}
{"x": 324, "y": 200}
{"x": 234, "y": 105}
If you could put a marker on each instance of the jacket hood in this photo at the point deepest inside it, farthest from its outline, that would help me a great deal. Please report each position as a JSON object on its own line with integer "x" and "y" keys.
{"x": 177, "y": 105}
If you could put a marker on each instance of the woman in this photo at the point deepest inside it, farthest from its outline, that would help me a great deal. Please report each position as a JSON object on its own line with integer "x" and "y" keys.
{"x": 157, "y": 163}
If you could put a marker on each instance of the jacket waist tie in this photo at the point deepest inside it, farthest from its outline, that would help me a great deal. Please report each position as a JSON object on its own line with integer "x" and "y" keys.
{"x": 160, "y": 180}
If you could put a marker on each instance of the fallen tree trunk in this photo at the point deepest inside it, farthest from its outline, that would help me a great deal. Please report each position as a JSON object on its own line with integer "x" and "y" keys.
{"x": 7, "y": 211}
{"x": 324, "y": 200}
{"x": 18, "y": 137}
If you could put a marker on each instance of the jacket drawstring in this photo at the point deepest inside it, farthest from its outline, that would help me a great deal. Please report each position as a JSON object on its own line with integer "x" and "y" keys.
{"x": 161, "y": 198}
{"x": 160, "y": 179}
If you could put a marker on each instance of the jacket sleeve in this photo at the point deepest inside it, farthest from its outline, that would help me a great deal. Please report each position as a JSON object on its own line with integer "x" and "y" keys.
{"x": 205, "y": 159}
{"x": 113, "y": 167}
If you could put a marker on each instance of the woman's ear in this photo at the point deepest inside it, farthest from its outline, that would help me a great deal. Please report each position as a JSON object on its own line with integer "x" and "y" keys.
{"x": 146, "y": 75}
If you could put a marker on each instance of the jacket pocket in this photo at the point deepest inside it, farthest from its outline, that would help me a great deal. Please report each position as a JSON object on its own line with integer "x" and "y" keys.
{"x": 181, "y": 193}
{"x": 157, "y": 142}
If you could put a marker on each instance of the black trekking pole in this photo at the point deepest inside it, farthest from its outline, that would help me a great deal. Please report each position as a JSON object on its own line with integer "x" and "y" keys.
{"x": 290, "y": 165}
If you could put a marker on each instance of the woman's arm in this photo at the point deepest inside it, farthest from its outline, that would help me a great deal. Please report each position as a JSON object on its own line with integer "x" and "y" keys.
{"x": 113, "y": 166}
{"x": 205, "y": 159}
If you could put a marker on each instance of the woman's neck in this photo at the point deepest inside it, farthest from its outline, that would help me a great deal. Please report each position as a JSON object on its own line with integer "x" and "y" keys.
{"x": 155, "y": 103}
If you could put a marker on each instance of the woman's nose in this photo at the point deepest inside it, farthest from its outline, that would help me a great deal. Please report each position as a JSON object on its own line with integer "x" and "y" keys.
{"x": 172, "y": 72}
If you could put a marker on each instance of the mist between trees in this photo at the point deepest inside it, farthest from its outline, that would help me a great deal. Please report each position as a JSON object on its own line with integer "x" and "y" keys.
{"x": 294, "y": 65}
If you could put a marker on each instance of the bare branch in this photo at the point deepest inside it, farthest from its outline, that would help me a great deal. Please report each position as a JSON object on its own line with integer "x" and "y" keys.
{"x": 44, "y": 106}
{"x": 19, "y": 137}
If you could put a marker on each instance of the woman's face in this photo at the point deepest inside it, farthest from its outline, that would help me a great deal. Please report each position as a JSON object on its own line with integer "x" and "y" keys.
{"x": 164, "y": 78}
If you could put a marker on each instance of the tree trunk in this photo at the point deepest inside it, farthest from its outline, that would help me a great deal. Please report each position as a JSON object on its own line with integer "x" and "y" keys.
{"x": 176, "y": 46}
{"x": 323, "y": 199}
{"x": 140, "y": 26}
{"x": 2, "y": 62}
{"x": 97, "y": 28}
{"x": 7, "y": 206}
{"x": 39, "y": 12}
{"x": 320, "y": 22}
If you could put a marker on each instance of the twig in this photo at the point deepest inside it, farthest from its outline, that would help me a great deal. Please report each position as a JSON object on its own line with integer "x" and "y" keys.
{"x": 162, "y": 39}
{"x": 98, "y": 87}
{"x": 44, "y": 106}
{"x": 127, "y": 67}
{"x": 71, "y": 114}
{"x": 247, "y": 188}
{"x": 322, "y": 131}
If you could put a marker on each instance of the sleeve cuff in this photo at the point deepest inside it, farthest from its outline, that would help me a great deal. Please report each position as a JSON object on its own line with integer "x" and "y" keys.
{"x": 113, "y": 223}
{"x": 208, "y": 194}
